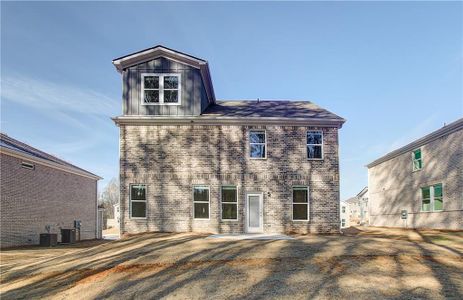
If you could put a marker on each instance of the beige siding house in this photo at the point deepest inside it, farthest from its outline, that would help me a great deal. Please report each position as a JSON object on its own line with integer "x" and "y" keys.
{"x": 421, "y": 184}
{"x": 358, "y": 208}
{"x": 189, "y": 162}
{"x": 39, "y": 190}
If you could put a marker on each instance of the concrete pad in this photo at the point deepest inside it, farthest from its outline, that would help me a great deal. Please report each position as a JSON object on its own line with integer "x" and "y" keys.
{"x": 251, "y": 236}
{"x": 111, "y": 237}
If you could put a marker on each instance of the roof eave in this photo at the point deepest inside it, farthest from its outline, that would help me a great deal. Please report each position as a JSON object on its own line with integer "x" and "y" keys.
{"x": 202, "y": 120}
{"x": 446, "y": 130}
{"x": 48, "y": 163}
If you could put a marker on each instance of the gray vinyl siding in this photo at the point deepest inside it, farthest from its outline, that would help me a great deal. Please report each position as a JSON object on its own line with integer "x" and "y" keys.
{"x": 193, "y": 94}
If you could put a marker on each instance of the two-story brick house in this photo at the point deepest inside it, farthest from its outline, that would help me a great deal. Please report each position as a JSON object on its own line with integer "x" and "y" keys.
{"x": 191, "y": 163}
{"x": 420, "y": 185}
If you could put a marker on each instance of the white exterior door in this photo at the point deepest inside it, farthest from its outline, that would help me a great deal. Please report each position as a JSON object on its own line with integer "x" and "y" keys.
{"x": 254, "y": 213}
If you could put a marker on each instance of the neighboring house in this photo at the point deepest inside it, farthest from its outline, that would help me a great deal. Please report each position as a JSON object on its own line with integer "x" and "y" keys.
{"x": 191, "y": 163}
{"x": 39, "y": 190}
{"x": 344, "y": 214}
{"x": 421, "y": 184}
{"x": 358, "y": 208}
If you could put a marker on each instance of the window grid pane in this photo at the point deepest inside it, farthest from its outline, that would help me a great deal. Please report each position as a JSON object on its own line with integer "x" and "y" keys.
{"x": 229, "y": 194}
{"x": 139, "y": 209}
{"x": 201, "y": 194}
{"x": 300, "y": 211}
{"x": 300, "y": 196}
{"x": 201, "y": 210}
{"x": 438, "y": 203}
{"x": 138, "y": 192}
{"x": 229, "y": 211}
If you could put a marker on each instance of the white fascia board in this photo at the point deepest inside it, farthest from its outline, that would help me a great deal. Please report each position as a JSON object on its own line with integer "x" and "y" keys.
{"x": 201, "y": 120}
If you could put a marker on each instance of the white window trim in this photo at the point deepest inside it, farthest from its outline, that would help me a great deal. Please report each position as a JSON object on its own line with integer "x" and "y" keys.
{"x": 161, "y": 88}
{"x": 292, "y": 203}
{"x": 413, "y": 160}
{"x": 265, "y": 143}
{"x": 236, "y": 202}
{"x": 209, "y": 203}
{"x": 146, "y": 201}
{"x": 307, "y": 144}
{"x": 431, "y": 198}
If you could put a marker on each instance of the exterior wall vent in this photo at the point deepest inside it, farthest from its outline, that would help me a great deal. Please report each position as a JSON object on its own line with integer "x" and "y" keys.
{"x": 27, "y": 165}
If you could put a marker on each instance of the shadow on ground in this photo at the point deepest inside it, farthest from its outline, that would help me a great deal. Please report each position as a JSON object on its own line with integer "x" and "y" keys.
{"x": 366, "y": 262}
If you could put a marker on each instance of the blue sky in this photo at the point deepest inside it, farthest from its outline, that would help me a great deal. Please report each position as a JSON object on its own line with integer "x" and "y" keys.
{"x": 393, "y": 70}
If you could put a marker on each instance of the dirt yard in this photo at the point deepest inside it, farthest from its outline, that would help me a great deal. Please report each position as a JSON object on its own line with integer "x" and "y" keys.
{"x": 364, "y": 263}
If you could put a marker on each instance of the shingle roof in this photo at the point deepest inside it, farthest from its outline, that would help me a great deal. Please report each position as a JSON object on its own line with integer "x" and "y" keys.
{"x": 27, "y": 150}
{"x": 269, "y": 109}
{"x": 446, "y": 130}
{"x": 156, "y": 47}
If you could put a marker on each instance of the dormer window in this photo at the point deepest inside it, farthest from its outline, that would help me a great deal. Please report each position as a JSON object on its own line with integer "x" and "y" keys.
{"x": 160, "y": 89}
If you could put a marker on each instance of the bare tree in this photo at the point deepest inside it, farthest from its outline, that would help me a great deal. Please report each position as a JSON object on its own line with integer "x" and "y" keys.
{"x": 109, "y": 197}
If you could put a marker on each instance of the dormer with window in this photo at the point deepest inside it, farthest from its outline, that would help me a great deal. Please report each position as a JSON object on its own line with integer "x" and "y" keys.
{"x": 163, "y": 82}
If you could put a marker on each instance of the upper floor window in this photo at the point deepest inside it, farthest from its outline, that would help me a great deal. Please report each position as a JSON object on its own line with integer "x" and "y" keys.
{"x": 314, "y": 145}
{"x": 343, "y": 209}
{"x": 258, "y": 144}
{"x": 431, "y": 198}
{"x": 160, "y": 89}
{"x": 417, "y": 160}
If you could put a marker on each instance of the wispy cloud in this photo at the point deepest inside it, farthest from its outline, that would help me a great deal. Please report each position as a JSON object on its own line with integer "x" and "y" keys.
{"x": 58, "y": 100}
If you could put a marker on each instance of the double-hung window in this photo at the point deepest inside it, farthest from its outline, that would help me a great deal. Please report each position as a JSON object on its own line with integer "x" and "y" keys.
{"x": 160, "y": 88}
{"x": 300, "y": 203}
{"x": 417, "y": 160}
{"x": 432, "y": 198}
{"x": 201, "y": 202}
{"x": 229, "y": 203}
{"x": 138, "y": 201}
{"x": 314, "y": 145}
{"x": 258, "y": 144}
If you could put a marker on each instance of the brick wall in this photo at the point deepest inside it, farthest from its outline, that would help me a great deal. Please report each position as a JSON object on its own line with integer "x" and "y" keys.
{"x": 31, "y": 199}
{"x": 171, "y": 159}
{"x": 394, "y": 187}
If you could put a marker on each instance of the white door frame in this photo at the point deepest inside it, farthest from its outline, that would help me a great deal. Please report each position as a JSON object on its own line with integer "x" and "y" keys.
{"x": 259, "y": 229}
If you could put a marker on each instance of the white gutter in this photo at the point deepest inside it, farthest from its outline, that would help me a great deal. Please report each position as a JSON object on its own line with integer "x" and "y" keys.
{"x": 205, "y": 120}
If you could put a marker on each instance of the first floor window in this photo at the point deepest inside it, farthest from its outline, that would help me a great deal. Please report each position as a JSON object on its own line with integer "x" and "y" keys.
{"x": 257, "y": 144}
{"x": 138, "y": 201}
{"x": 300, "y": 203}
{"x": 229, "y": 203}
{"x": 417, "y": 160}
{"x": 314, "y": 145}
{"x": 343, "y": 222}
{"x": 201, "y": 202}
{"x": 431, "y": 198}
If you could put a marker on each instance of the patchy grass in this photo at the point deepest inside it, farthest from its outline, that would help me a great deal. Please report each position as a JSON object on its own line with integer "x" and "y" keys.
{"x": 365, "y": 262}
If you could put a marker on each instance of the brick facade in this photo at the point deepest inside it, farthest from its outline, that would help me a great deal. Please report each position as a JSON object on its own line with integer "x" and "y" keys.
{"x": 32, "y": 199}
{"x": 394, "y": 186}
{"x": 170, "y": 159}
